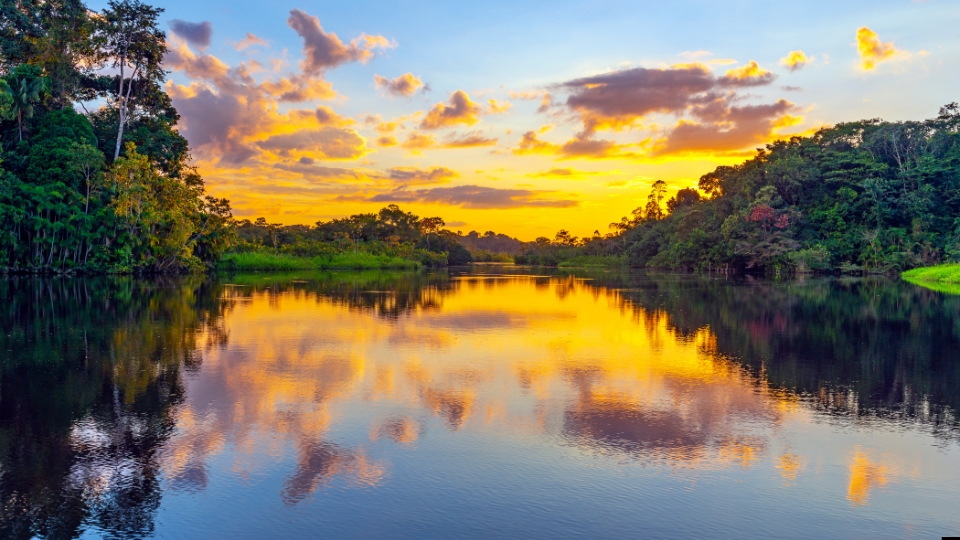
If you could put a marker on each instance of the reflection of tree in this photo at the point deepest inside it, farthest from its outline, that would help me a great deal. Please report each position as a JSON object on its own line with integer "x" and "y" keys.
{"x": 388, "y": 294}
{"x": 88, "y": 380}
{"x": 863, "y": 347}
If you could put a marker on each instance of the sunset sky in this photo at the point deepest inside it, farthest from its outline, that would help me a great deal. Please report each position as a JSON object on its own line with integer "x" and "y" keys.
{"x": 527, "y": 117}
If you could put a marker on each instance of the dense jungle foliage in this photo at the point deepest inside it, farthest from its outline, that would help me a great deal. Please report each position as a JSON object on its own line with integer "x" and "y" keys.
{"x": 868, "y": 196}
{"x": 105, "y": 191}
{"x": 391, "y": 232}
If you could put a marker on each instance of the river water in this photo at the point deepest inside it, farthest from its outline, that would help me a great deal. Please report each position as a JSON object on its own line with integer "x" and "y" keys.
{"x": 492, "y": 401}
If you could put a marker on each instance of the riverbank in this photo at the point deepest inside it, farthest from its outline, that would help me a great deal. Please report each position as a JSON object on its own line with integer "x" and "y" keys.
{"x": 594, "y": 261}
{"x": 943, "y": 278}
{"x": 259, "y": 261}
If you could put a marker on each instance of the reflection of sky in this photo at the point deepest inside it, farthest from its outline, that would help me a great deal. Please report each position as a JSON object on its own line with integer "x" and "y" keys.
{"x": 519, "y": 398}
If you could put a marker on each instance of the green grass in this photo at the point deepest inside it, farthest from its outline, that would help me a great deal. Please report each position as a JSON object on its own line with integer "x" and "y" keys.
{"x": 943, "y": 278}
{"x": 597, "y": 261}
{"x": 243, "y": 262}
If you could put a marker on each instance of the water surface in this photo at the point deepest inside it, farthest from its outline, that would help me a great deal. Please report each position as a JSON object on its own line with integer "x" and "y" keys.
{"x": 485, "y": 402}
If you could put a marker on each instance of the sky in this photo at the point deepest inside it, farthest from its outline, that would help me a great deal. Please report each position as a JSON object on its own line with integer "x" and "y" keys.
{"x": 527, "y": 117}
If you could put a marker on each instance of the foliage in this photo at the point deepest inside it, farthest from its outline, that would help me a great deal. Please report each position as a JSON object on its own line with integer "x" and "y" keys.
{"x": 70, "y": 200}
{"x": 388, "y": 234}
{"x": 252, "y": 261}
{"x": 599, "y": 261}
{"x": 868, "y": 196}
{"x": 942, "y": 278}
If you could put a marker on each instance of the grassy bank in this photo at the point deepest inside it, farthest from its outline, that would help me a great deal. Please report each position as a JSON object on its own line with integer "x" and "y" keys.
{"x": 943, "y": 278}
{"x": 253, "y": 261}
{"x": 593, "y": 261}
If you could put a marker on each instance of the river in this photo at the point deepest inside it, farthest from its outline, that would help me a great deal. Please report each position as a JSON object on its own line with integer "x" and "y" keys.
{"x": 481, "y": 402}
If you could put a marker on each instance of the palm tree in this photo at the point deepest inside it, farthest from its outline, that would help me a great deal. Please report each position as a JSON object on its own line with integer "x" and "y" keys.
{"x": 25, "y": 93}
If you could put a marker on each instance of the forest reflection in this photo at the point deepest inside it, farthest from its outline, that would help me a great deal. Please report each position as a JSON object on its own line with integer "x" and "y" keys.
{"x": 115, "y": 390}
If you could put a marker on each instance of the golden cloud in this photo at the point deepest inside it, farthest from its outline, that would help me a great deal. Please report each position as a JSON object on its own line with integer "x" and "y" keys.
{"x": 567, "y": 173}
{"x": 750, "y": 74}
{"x": 581, "y": 146}
{"x": 530, "y": 143}
{"x": 405, "y": 85}
{"x": 413, "y": 175}
{"x": 417, "y": 142}
{"x": 460, "y": 111}
{"x": 327, "y": 142}
{"x": 498, "y": 107}
{"x": 872, "y": 50}
{"x": 473, "y": 196}
{"x": 467, "y": 140}
{"x": 795, "y": 60}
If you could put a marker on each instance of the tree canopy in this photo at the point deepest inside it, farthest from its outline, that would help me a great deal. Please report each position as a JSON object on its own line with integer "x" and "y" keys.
{"x": 111, "y": 190}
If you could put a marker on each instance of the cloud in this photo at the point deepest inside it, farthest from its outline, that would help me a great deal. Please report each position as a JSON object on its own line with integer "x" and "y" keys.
{"x": 460, "y": 111}
{"x": 299, "y": 88}
{"x": 229, "y": 117}
{"x": 726, "y": 128}
{"x": 467, "y": 140}
{"x": 498, "y": 107}
{"x": 413, "y": 175}
{"x": 750, "y": 74}
{"x": 872, "y": 50}
{"x": 385, "y": 128}
{"x": 530, "y": 143}
{"x": 621, "y": 99}
{"x": 416, "y": 142}
{"x": 618, "y": 99}
{"x": 308, "y": 168}
{"x": 215, "y": 123}
{"x": 472, "y": 196}
{"x": 405, "y": 85}
{"x": 581, "y": 146}
{"x": 544, "y": 97}
{"x": 248, "y": 41}
{"x": 323, "y": 50}
{"x": 563, "y": 173}
{"x": 328, "y": 117}
{"x": 387, "y": 141}
{"x": 795, "y": 60}
{"x": 327, "y": 142}
{"x": 196, "y": 34}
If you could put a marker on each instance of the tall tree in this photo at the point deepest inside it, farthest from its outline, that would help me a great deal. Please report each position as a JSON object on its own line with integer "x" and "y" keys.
{"x": 135, "y": 46}
{"x": 27, "y": 85}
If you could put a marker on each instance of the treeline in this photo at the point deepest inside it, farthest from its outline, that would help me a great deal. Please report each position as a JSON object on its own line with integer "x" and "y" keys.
{"x": 390, "y": 232}
{"x": 869, "y": 196}
{"x": 104, "y": 191}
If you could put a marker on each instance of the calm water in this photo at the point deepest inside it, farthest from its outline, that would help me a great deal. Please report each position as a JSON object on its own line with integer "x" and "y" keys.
{"x": 488, "y": 402}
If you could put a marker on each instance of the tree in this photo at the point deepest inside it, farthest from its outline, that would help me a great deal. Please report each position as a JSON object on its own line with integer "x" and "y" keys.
{"x": 430, "y": 225}
{"x": 27, "y": 85}
{"x": 6, "y": 99}
{"x": 654, "y": 208}
{"x": 684, "y": 197}
{"x": 134, "y": 44}
{"x": 87, "y": 159}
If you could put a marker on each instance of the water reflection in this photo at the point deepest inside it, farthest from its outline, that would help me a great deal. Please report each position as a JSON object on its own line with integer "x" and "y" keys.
{"x": 91, "y": 373}
{"x": 116, "y": 395}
